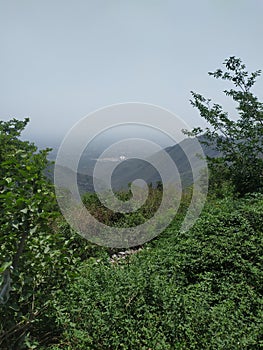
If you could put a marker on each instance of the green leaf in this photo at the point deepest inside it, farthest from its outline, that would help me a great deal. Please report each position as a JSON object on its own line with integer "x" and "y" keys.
{"x": 33, "y": 230}
{"x": 5, "y": 266}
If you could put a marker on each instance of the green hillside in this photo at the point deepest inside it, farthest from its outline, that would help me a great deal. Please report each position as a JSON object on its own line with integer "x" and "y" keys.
{"x": 197, "y": 289}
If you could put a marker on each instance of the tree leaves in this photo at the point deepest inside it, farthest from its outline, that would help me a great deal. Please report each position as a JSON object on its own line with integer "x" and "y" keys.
{"x": 239, "y": 140}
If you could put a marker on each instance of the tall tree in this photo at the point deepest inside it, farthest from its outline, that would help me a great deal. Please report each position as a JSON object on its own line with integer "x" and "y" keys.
{"x": 238, "y": 139}
{"x": 27, "y": 255}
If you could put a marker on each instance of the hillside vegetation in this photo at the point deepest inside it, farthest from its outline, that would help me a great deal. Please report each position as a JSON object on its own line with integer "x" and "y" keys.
{"x": 200, "y": 289}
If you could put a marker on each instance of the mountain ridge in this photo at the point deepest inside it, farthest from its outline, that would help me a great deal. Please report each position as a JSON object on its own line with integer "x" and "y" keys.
{"x": 129, "y": 170}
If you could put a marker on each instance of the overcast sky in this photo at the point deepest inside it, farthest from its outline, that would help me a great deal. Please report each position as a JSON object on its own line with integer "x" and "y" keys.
{"x": 62, "y": 59}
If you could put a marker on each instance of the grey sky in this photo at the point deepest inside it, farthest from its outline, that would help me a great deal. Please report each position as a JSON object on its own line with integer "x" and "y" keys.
{"x": 62, "y": 59}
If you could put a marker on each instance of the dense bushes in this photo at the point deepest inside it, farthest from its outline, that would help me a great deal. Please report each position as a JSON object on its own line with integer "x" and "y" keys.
{"x": 197, "y": 290}
{"x": 38, "y": 250}
{"x": 136, "y": 217}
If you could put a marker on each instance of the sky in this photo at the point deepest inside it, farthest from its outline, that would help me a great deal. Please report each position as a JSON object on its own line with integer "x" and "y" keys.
{"x": 62, "y": 59}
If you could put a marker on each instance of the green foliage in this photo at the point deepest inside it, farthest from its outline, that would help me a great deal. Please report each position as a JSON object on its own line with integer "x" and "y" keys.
{"x": 239, "y": 140}
{"x": 201, "y": 289}
{"x": 27, "y": 208}
{"x": 134, "y": 218}
{"x": 38, "y": 250}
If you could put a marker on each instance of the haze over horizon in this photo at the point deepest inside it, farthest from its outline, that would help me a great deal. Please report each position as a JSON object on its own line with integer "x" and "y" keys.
{"x": 62, "y": 60}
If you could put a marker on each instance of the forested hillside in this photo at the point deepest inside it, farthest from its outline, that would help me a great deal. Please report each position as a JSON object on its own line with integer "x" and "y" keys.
{"x": 198, "y": 289}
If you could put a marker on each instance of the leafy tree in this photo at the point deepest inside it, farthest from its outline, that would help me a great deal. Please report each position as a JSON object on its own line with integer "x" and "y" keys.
{"x": 27, "y": 204}
{"x": 39, "y": 252}
{"x": 36, "y": 250}
{"x": 239, "y": 139}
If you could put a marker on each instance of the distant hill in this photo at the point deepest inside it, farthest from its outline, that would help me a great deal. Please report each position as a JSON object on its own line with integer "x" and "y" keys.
{"x": 85, "y": 182}
{"x": 134, "y": 169}
{"x": 131, "y": 169}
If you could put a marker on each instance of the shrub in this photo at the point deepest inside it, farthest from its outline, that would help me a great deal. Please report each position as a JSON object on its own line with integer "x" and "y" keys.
{"x": 201, "y": 289}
